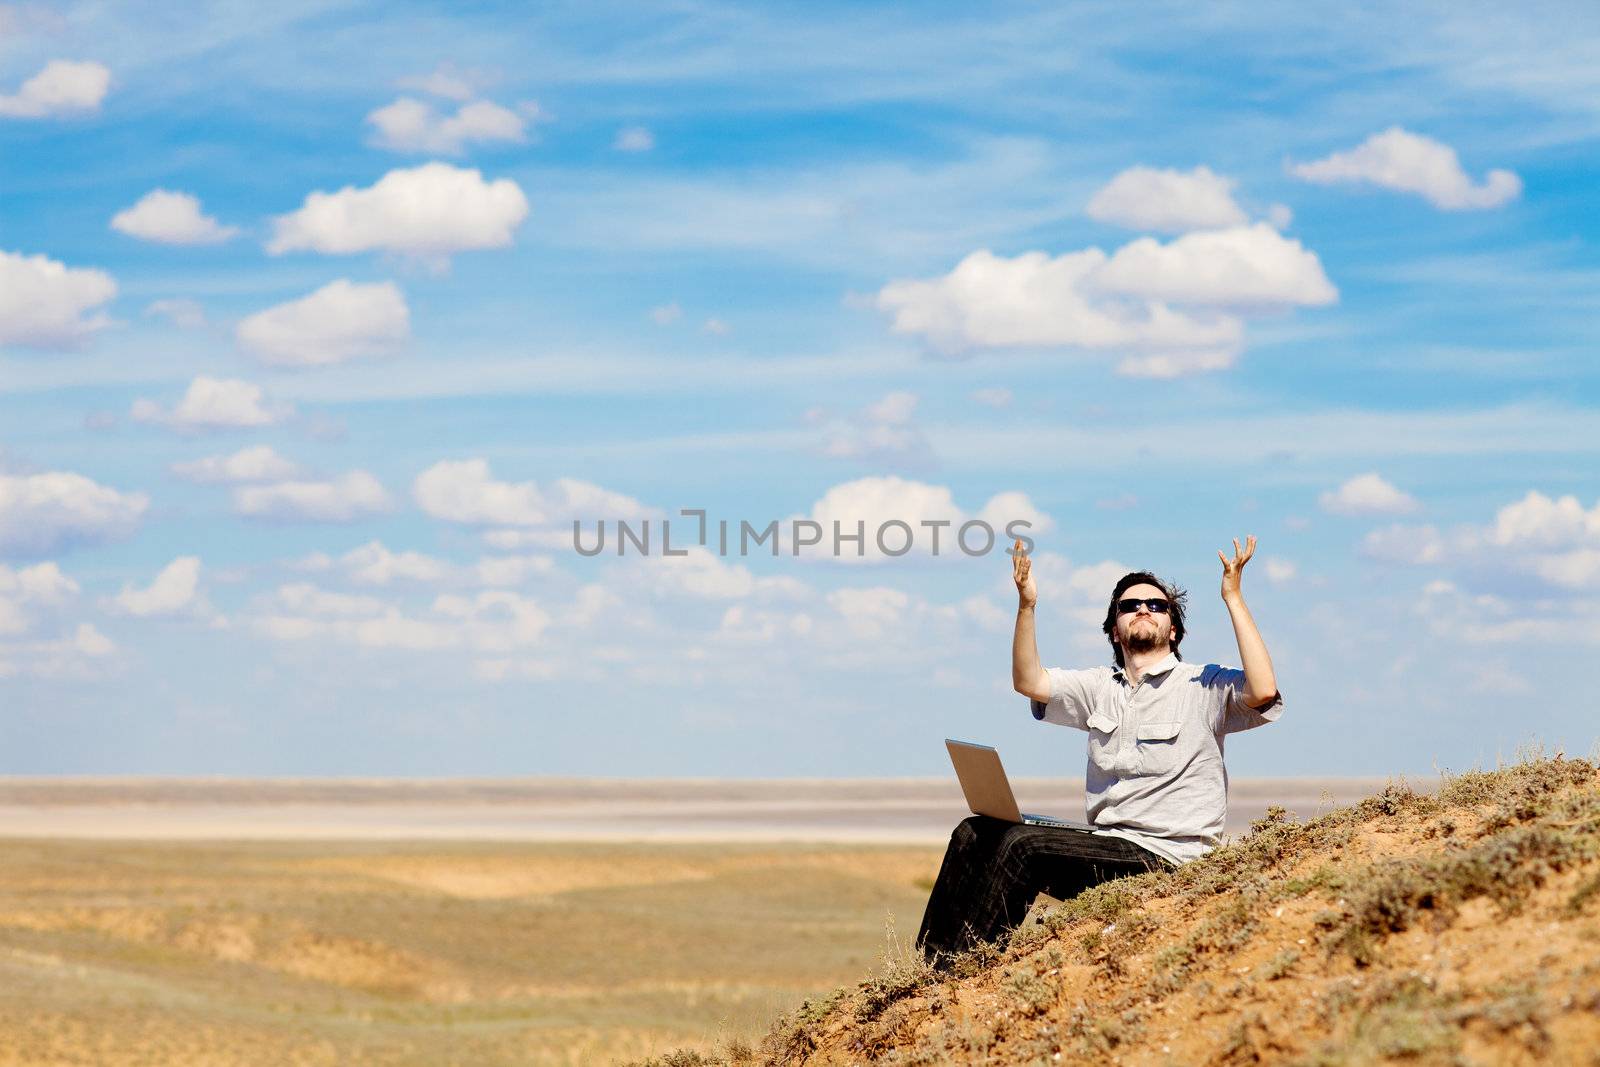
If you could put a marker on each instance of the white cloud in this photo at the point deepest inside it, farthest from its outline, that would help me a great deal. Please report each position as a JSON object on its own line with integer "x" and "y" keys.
{"x": 869, "y": 504}
{"x": 493, "y": 621}
{"x": 175, "y": 591}
{"x": 1033, "y": 300}
{"x": 170, "y": 217}
{"x": 182, "y": 313}
{"x": 257, "y": 464}
{"x": 1248, "y": 266}
{"x": 25, "y": 591}
{"x": 701, "y": 574}
{"x": 1556, "y": 540}
{"x": 882, "y": 431}
{"x": 1367, "y": 494}
{"x": 339, "y": 322}
{"x": 43, "y": 303}
{"x": 634, "y": 139}
{"x": 411, "y": 125}
{"x": 40, "y": 513}
{"x": 994, "y": 397}
{"x": 63, "y": 87}
{"x": 375, "y": 564}
{"x": 1167, "y": 201}
{"x": 349, "y": 497}
{"x": 1411, "y": 163}
{"x": 1537, "y": 521}
{"x": 666, "y": 314}
{"x": 1122, "y": 303}
{"x": 214, "y": 404}
{"x": 38, "y": 636}
{"x": 716, "y": 327}
{"x": 429, "y": 211}
{"x": 465, "y": 491}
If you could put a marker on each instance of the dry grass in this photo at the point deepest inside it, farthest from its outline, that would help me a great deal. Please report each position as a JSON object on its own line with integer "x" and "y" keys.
{"x": 1459, "y": 926}
{"x": 382, "y": 953}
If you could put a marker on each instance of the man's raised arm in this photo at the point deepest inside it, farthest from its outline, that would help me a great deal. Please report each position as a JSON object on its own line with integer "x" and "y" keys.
{"x": 1261, "y": 685}
{"x": 1028, "y": 676}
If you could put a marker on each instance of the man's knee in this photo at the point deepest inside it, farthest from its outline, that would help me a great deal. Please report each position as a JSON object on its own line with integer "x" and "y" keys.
{"x": 1019, "y": 844}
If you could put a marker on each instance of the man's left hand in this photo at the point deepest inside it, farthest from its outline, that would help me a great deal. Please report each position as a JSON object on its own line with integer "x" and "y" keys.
{"x": 1233, "y": 568}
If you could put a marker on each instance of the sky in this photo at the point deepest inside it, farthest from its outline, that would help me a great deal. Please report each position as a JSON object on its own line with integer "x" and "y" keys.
{"x": 323, "y": 325}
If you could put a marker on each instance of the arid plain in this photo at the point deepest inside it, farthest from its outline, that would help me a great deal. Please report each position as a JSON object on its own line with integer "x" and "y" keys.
{"x": 518, "y": 921}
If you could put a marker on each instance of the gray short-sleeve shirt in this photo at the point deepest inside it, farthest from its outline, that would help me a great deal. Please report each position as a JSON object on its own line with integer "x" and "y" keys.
{"x": 1156, "y": 775}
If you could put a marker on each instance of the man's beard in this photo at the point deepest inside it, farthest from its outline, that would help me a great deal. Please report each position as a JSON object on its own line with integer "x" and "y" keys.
{"x": 1143, "y": 638}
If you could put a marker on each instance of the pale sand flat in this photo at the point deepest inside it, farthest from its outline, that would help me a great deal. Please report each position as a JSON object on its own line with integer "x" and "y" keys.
{"x": 903, "y": 810}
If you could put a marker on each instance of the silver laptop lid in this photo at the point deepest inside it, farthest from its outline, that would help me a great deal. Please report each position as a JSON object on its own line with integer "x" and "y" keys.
{"x": 983, "y": 780}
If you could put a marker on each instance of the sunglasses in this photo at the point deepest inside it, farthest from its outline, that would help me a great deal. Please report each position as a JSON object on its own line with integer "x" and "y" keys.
{"x": 1156, "y": 605}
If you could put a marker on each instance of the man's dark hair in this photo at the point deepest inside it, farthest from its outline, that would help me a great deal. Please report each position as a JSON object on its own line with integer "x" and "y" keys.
{"x": 1175, "y": 595}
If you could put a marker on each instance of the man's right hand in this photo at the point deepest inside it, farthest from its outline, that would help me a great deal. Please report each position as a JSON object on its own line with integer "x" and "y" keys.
{"x": 1022, "y": 574}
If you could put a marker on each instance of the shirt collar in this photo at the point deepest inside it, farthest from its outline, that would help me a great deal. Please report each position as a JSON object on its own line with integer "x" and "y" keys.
{"x": 1161, "y": 666}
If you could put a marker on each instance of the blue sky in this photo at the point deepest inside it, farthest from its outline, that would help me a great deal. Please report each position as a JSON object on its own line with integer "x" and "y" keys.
{"x": 320, "y": 326}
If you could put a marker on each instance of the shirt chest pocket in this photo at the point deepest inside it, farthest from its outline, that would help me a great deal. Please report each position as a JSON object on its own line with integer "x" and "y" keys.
{"x": 1158, "y": 746}
{"x": 1103, "y": 742}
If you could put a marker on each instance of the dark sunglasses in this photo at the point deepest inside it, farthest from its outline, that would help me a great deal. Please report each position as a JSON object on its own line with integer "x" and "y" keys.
{"x": 1156, "y": 605}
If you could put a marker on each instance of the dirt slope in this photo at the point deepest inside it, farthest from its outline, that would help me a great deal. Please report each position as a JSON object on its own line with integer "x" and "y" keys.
{"x": 1456, "y": 927}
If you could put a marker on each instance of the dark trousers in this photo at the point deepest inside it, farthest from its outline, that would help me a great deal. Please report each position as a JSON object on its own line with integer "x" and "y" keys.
{"x": 993, "y": 869}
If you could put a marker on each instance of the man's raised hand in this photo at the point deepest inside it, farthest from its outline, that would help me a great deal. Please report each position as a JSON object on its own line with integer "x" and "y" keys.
{"x": 1022, "y": 574}
{"x": 1233, "y": 568}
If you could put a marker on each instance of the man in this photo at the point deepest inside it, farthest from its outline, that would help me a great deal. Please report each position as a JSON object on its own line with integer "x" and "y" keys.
{"x": 1157, "y": 786}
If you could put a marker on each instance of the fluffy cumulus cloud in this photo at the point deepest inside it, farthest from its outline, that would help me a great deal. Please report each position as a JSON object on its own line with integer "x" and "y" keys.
{"x": 903, "y": 517}
{"x": 1411, "y": 163}
{"x": 63, "y": 87}
{"x": 173, "y": 218}
{"x": 174, "y": 592}
{"x": 374, "y": 563}
{"x": 339, "y": 322}
{"x": 214, "y": 404}
{"x": 1367, "y": 494}
{"x": 257, "y": 464}
{"x": 1511, "y": 578}
{"x": 46, "y": 304}
{"x": 27, "y": 591}
{"x": 466, "y": 491}
{"x": 1557, "y": 539}
{"x": 41, "y": 513}
{"x": 1166, "y": 309}
{"x": 429, "y": 212}
{"x": 351, "y": 496}
{"x": 38, "y": 634}
{"x": 1247, "y": 266}
{"x": 412, "y": 125}
{"x": 1167, "y": 201}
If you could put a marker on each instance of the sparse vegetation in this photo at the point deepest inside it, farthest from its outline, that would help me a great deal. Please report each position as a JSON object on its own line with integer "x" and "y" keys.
{"x": 1412, "y": 926}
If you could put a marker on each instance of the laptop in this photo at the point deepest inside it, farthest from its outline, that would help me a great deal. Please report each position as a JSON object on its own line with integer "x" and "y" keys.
{"x": 988, "y": 791}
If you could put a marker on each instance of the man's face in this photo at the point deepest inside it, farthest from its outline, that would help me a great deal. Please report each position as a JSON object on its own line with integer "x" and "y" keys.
{"x": 1143, "y": 630}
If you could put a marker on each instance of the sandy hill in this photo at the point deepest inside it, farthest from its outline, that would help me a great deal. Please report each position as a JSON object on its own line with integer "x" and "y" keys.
{"x": 1460, "y": 926}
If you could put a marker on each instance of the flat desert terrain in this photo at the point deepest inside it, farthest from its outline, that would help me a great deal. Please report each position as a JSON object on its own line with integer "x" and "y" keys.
{"x": 528, "y": 921}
